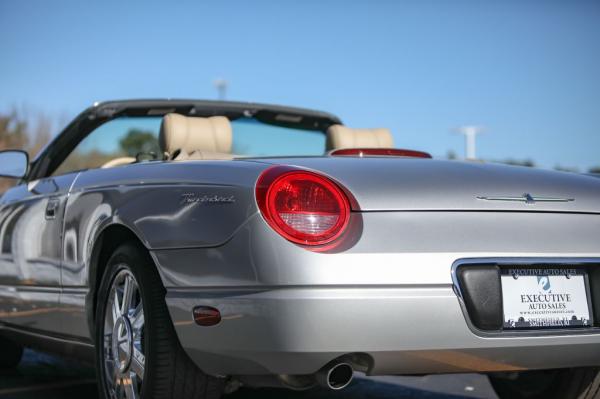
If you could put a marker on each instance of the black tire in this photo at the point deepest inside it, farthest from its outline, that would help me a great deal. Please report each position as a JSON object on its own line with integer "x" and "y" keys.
{"x": 576, "y": 383}
{"x": 11, "y": 354}
{"x": 168, "y": 373}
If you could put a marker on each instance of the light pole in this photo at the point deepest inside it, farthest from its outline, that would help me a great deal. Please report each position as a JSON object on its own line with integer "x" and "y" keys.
{"x": 221, "y": 85}
{"x": 470, "y": 133}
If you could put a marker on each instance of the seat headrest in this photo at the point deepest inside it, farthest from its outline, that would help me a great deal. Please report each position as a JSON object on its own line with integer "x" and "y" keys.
{"x": 180, "y": 133}
{"x": 339, "y": 137}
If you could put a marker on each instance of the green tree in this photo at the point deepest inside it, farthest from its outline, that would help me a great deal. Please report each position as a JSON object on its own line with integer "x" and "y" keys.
{"x": 17, "y": 131}
{"x": 13, "y": 131}
{"x": 519, "y": 162}
{"x": 595, "y": 169}
{"x": 139, "y": 141}
{"x": 566, "y": 169}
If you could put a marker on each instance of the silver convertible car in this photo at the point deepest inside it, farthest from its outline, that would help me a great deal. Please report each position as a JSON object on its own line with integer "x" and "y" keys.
{"x": 189, "y": 248}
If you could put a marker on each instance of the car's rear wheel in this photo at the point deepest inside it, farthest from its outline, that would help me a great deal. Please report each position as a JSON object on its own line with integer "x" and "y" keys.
{"x": 577, "y": 383}
{"x": 11, "y": 353}
{"x": 137, "y": 351}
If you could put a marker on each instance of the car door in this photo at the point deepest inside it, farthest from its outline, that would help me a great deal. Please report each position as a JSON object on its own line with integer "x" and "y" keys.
{"x": 100, "y": 152}
{"x": 31, "y": 217}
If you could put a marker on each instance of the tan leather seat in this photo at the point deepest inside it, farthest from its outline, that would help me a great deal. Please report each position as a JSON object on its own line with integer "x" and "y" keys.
{"x": 183, "y": 137}
{"x": 339, "y": 137}
{"x": 118, "y": 162}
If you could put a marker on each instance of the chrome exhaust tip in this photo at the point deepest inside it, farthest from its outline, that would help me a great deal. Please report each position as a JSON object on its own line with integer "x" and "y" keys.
{"x": 336, "y": 377}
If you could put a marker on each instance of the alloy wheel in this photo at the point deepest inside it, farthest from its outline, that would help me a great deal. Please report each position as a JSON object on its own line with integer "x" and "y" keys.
{"x": 124, "y": 356}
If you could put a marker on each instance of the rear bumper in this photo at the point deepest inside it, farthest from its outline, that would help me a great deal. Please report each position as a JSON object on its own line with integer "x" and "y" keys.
{"x": 392, "y": 330}
{"x": 389, "y": 298}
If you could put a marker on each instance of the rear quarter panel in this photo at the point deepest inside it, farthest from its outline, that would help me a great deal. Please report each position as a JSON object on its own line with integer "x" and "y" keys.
{"x": 166, "y": 205}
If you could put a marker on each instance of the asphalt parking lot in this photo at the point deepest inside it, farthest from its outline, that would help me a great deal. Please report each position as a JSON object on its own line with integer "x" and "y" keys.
{"x": 43, "y": 376}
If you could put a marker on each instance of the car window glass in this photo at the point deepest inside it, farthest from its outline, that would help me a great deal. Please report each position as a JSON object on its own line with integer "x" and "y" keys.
{"x": 253, "y": 138}
{"x": 122, "y": 137}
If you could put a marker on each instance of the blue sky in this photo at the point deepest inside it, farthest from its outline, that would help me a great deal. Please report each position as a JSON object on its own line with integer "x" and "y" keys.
{"x": 527, "y": 70}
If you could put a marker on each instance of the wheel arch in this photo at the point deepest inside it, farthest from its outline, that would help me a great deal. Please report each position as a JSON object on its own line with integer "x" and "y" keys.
{"x": 106, "y": 242}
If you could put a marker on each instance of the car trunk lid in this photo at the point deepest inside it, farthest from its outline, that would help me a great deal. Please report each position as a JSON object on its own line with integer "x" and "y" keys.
{"x": 405, "y": 184}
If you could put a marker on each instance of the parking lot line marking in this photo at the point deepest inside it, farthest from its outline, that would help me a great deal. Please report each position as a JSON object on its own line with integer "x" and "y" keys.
{"x": 11, "y": 391}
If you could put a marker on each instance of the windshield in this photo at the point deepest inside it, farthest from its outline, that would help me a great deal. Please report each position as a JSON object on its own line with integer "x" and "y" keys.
{"x": 127, "y": 136}
{"x": 123, "y": 140}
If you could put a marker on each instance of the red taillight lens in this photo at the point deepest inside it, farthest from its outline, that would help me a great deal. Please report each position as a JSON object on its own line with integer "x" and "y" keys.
{"x": 304, "y": 207}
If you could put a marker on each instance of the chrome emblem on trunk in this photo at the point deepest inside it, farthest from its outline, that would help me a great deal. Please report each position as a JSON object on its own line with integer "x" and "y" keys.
{"x": 526, "y": 198}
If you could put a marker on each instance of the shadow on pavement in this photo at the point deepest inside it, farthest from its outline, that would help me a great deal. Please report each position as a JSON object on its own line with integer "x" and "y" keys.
{"x": 48, "y": 377}
{"x": 44, "y": 376}
{"x": 359, "y": 389}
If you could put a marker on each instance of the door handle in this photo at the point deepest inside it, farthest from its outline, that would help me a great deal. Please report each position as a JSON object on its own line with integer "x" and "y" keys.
{"x": 52, "y": 208}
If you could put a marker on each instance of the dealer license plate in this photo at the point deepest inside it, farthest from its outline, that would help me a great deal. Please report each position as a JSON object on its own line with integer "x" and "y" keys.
{"x": 545, "y": 298}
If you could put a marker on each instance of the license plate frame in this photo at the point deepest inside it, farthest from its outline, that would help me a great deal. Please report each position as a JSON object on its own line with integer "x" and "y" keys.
{"x": 531, "y": 304}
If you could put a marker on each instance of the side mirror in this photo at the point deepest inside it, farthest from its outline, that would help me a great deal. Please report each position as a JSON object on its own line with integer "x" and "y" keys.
{"x": 13, "y": 164}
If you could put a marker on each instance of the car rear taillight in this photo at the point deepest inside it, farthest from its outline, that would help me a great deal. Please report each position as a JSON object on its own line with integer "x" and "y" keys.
{"x": 304, "y": 207}
{"x": 379, "y": 152}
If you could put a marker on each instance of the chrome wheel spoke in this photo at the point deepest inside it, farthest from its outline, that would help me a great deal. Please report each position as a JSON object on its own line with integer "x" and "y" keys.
{"x": 137, "y": 363}
{"x": 137, "y": 319}
{"x": 130, "y": 389}
{"x": 128, "y": 291}
{"x": 116, "y": 309}
{"x": 124, "y": 347}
